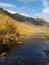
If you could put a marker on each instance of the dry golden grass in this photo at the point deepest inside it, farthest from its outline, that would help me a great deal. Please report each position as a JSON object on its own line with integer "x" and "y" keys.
{"x": 22, "y": 28}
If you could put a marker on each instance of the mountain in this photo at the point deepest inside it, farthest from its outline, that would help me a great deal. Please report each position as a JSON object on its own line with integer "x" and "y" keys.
{"x": 24, "y": 25}
{"x": 14, "y": 27}
{"x": 22, "y": 18}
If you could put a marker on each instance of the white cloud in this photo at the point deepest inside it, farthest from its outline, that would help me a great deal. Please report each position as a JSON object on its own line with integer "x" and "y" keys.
{"x": 26, "y": 0}
{"x": 45, "y": 12}
{"x": 24, "y": 14}
{"x": 45, "y": 3}
{"x": 9, "y": 7}
{"x": 6, "y": 5}
{"x": 43, "y": 16}
{"x": 46, "y": 6}
{"x": 12, "y": 11}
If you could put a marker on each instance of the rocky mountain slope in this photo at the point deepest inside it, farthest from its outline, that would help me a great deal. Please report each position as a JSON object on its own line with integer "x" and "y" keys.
{"x": 24, "y": 25}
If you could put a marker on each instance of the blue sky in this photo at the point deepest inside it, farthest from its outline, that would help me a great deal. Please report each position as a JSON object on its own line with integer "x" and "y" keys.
{"x": 31, "y": 8}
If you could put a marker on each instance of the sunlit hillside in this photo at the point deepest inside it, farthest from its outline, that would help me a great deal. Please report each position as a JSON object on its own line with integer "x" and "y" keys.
{"x": 12, "y": 30}
{"x": 22, "y": 28}
{"x": 22, "y": 24}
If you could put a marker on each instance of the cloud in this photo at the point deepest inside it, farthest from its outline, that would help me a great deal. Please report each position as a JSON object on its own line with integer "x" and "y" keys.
{"x": 12, "y": 8}
{"x": 26, "y": 0}
{"x": 43, "y": 16}
{"x": 12, "y": 11}
{"x": 6, "y": 5}
{"x": 9, "y": 7}
{"x": 45, "y": 12}
{"x": 24, "y": 14}
{"x": 45, "y": 3}
{"x": 46, "y": 6}
{"x": 22, "y": 8}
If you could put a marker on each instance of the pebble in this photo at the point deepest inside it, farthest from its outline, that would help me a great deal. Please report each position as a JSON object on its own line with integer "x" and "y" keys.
{"x": 19, "y": 62}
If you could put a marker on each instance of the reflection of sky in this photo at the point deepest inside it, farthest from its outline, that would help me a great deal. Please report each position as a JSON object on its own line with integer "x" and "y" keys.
{"x": 28, "y": 53}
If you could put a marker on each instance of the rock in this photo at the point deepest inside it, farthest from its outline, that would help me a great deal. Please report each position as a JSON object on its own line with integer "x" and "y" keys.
{"x": 19, "y": 42}
{"x": 19, "y": 62}
{"x": 4, "y": 54}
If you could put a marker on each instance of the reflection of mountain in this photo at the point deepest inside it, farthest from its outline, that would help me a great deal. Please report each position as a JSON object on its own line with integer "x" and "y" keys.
{"x": 24, "y": 25}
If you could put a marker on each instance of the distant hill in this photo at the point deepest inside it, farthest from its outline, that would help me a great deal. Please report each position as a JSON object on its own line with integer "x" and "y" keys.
{"x": 22, "y": 18}
{"x": 24, "y": 24}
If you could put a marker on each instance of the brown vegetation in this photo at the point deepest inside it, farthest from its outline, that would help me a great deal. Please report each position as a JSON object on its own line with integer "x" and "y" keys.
{"x": 13, "y": 25}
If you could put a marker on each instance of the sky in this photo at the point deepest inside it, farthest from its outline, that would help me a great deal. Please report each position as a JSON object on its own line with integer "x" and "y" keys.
{"x": 31, "y": 8}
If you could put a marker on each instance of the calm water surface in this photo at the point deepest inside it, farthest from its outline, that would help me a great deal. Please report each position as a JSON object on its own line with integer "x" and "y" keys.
{"x": 30, "y": 52}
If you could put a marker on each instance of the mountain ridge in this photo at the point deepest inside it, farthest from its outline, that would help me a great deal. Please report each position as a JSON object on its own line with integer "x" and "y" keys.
{"x": 24, "y": 26}
{"x": 22, "y": 18}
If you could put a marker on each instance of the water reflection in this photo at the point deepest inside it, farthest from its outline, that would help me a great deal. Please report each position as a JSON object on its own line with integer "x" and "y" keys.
{"x": 30, "y": 53}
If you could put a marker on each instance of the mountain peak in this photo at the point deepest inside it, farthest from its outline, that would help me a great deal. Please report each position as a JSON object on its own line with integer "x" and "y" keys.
{"x": 1, "y": 9}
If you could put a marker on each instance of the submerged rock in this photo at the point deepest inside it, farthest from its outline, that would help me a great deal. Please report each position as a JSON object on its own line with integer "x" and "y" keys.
{"x": 3, "y": 54}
